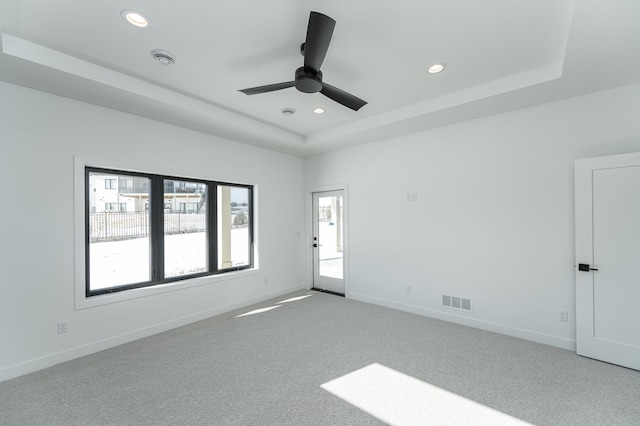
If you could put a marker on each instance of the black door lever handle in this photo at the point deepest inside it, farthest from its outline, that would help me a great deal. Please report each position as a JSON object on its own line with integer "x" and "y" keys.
{"x": 585, "y": 267}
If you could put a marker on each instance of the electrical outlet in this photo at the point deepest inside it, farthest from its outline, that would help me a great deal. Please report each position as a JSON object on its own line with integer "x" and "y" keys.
{"x": 563, "y": 316}
{"x": 266, "y": 280}
{"x": 409, "y": 289}
{"x": 412, "y": 197}
{"x": 63, "y": 327}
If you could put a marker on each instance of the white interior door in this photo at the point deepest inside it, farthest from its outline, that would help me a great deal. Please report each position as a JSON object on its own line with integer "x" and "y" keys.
{"x": 328, "y": 241}
{"x": 608, "y": 259}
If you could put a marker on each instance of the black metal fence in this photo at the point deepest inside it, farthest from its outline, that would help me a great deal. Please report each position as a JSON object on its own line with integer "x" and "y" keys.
{"x": 113, "y": 226}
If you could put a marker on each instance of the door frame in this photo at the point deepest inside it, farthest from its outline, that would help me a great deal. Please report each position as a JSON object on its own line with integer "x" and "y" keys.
{"x": 586, "y": 343}
{"x": 308, "y": 234}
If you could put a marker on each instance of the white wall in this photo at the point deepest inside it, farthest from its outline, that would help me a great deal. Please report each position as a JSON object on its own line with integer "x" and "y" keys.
{"x": 39, "y": 136}
{"x": 494, "y": 220}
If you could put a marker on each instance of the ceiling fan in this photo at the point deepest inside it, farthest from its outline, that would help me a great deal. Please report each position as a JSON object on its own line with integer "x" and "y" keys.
{"x": 308, "y": 78}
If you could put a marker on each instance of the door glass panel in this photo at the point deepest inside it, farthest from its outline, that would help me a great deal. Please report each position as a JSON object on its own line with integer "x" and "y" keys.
{"x": 185, "y": 228}
{"x": 118, "y": 230}
{"x": 330, "y": 239}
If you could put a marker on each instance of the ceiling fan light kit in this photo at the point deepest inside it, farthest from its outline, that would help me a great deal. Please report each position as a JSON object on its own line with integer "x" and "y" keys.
{"x": 308, "y": 78}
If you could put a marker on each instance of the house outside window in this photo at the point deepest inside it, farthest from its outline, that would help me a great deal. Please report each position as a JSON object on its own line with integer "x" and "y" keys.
{"x": 115, "y": 207}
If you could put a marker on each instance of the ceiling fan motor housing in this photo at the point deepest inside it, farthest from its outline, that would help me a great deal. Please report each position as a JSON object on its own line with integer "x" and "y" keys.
{"x": 308, "y": 80}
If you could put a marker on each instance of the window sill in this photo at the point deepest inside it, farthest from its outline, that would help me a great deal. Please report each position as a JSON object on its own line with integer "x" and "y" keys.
{"x": 83, "y": 302}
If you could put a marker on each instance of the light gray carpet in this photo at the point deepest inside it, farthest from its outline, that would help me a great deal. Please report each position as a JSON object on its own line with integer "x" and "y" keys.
{"x": 268, "y": 368}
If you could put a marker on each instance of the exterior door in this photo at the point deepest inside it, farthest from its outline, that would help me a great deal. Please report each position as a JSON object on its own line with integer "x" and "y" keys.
{"x": 328, "y": 241}
{"x": 608, "y": 259}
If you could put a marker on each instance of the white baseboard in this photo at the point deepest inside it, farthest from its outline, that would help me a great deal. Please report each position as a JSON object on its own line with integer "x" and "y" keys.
{"x": 50, "y": 360}
{"x": 533, "y": 336}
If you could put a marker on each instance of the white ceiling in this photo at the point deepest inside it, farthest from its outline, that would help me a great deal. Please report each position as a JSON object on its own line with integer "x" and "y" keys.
{"x": 500, "y": 55}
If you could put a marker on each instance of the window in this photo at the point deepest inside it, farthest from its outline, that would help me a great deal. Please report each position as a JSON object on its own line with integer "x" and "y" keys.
{"x": 117, "y": 245}
{"x": 111, "y": 184}
{"x": 234, "y": 226}
{"x": 115, "y": 207}
{"x": 185, "y": 235}
{"x": 166, "y": 229}
{"x": 188, "y": 207}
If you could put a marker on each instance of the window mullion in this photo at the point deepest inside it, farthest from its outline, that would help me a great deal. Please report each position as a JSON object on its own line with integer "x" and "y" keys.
{"x": 212, "y": 226}
{"x": 251, "y": 227}
{"x": 156, "y": 239}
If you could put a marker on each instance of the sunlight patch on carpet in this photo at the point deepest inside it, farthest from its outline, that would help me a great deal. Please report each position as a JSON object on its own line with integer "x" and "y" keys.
{"x": 399, "y": 399}
{"x": 257, "y": 311}
{"x": 295, "y": 299}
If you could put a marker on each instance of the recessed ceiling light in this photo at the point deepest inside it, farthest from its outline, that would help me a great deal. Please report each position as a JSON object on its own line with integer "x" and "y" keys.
{"x": 135, "y": 18}
{"x": 287, "y": 112}
{"x": 436, "y": 68}
{"x": 319, "y": 110}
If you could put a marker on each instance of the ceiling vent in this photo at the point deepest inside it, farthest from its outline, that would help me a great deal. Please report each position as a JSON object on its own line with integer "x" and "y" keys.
{"x": 163, "y": 57}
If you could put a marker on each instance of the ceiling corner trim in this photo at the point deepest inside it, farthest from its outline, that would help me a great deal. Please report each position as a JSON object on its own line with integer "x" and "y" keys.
{"x": 571, "y": 10}
{"x": 40, "y": 55}
{"x": 1, "y": 36}
{"x": 50, "y": 58}
{"x": 493, "y": 88}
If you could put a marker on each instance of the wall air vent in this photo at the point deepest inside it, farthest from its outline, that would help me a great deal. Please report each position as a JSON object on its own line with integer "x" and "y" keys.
{"x": 456, "y": 302}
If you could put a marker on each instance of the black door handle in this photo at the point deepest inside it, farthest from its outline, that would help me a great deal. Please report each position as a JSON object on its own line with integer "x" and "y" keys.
{"x": 585, "y": 267}
{"x": 315, "y": 245}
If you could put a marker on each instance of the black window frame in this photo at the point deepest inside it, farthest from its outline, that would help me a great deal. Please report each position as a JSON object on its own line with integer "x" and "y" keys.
{"x": 250, "y": 225}
{"x": 156, "y": 230}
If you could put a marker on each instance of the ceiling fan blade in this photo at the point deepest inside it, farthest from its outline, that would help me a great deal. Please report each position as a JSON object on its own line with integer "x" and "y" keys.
{"x": 319, "y": 33}
{"x": 342, "y": 97}
{"x": 268, "y": 88}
